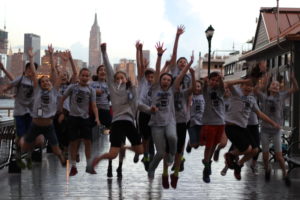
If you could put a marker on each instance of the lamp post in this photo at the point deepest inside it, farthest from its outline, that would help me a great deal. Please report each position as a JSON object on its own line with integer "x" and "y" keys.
{"x": 209, "y": 34}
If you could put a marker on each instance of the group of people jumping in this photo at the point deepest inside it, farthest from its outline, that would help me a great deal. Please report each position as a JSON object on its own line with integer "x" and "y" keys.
{"x": 154, "y": 115}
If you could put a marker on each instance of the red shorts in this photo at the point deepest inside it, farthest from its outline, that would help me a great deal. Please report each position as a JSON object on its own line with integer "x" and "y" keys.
{"x": 211, "y": 135}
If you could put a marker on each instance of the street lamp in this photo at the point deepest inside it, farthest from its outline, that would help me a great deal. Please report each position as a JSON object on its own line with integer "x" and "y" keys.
{"x": 209, "y": 34}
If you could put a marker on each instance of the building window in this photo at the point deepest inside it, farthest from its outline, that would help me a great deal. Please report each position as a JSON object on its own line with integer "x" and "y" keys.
{"x": 279, "y": 60}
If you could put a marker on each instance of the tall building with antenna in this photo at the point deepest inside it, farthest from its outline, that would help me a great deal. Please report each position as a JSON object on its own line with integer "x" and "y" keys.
{"x": 32, "y": 41}
{"x": 95, "y": 58}
{"x": 3, "y": 41}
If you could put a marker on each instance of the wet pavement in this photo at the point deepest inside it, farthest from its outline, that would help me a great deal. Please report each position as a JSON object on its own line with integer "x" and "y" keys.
{"x": 49, "y": 180}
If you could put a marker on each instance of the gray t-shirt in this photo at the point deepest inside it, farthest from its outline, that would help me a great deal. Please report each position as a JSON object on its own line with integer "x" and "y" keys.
{"x": 197, "y": 109}
{"x": 102, "y": 100}
{"x": 181, "y": 105}
{"x": 253, "y": 119}
{"x": 240, "y": 108}
{"x": 24, "y": 95}
{"x": 123, "y": 100}
{"x": 273, "y": 106}
{"x": 45, "y": 103}
{"x": 214, "y": 106}
{"x": 144, "y": 91}
{"x": 61, "y": 91}
{"x": 81, "y": 97}
{"x": 186, "y": 81}
{"x": 164, "y": 101}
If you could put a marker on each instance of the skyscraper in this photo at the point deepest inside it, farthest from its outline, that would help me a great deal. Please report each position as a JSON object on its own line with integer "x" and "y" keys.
{"x": 95, "y": 58}
{"x": 3, "y": 41}
{"x": 32, "y": 41}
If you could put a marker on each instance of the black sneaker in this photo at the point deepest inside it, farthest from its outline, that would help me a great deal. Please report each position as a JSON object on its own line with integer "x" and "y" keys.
{"x": 119, "y": 173}
{"x": 237, "y": 171}
{"x": 136, "y": 158}
{"x": 207, "y": 166}
{"x": 287, "y": 181}
{"x": 109, "y": 172}
{"x": 268, "y": 175}
{"x": 206, "y": 177}
{"x": 188, "y": 148}
{"x": 216, "y": 155}
{"x": 181, "y": 169}
{"x": 146, "y": 163}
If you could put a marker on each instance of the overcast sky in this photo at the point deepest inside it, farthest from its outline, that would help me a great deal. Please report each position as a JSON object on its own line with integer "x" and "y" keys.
{"x": 67, "y": 23}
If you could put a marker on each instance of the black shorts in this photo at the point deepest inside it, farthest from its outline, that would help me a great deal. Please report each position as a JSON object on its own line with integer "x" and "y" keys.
{"x": 144, "y": 128}
{"x": 78, "y": 128}
{"x": 253, "y": 130}
{"x": 105, "y": 117}
{"x": 47, "y": 131}
{"x": 240, "y": 137}
{"x": 120, "y": 130}
{"x": 181, "y": 129}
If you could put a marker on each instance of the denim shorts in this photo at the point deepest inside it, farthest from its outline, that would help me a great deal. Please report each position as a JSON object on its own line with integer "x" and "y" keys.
{"x": 22, "y": 124}
{"x": 194, "y": 133}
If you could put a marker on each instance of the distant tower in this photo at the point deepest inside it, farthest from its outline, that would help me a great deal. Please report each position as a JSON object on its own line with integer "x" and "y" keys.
{"x": 3, "y": 41}
{"x": 32, "y": 41}
{"x": 95, "y": 58}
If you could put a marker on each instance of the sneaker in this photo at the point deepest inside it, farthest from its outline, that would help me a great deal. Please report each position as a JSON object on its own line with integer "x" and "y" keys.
{"x": 174, "y": 180}
{"x": 216, "y": 155}
{"x": 146, "y": 163}
{"x": 268, "y": 175}
{"x": 224, "y": 171}
{"x": 206, "y": 177}
{"x": 90, "y": 169}
{"x": 181, "y": 169}
{"x": 188, "y": 148}
{"x": 73, "y": 171}
{"x": 109, "y": 172}
{"x": 207, "y": 166}
{"x": 229, "y": 158}
{"x": 78, "y": 158}
{"x": 21, "y": 163}
{"x": 119, "y": 172}
{"x": 237, "y": 171}
{"x": 136, "y": 158}
{"x": 287, "y": 181}
{"x": 165, "y": 181}
{"x": 28, "y": 163}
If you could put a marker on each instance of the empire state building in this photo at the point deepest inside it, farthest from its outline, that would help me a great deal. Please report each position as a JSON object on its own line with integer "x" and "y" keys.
{"x": 95, "y": 58}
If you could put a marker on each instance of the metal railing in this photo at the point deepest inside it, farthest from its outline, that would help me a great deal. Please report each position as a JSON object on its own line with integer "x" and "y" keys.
{"x": 7, "y": 136}
{"x": 10, "y": 110}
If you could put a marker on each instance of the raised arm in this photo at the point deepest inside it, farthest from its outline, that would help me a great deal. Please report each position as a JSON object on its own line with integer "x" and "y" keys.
{"x": 193, "y": 86}
{"x": 166, "y": 67}
{"x": 107, "y": 65}
{"x": 180, "y": 31}
{"x": 139, "y": 47}
{"x": 75, "y": 73}
{"x": 229, "y": 84}
{"x": 32, "y": 67}
{"x": 295, "y": 86}
{"x": 160, "y": 52}
{"x": 8, "y": 75}
{"x": 54, "y": 74}
{"x": 183, "y": 72}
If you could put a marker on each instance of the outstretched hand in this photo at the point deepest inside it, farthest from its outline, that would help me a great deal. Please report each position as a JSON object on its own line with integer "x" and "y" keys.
{"x": 180, "y": 30}
{"x": 103, "y": 47}
{"x": 1, "y": 66}
{"x": 50, "y": 49}
{"x": 160, "y": 48}
{"x": 30, "y": 53}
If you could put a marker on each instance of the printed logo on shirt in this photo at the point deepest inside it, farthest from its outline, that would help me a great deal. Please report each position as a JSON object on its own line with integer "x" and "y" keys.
{"x": 226, "y": 107}
{"x": 163, "y": 100}
{"x": 272, "y": 107}
{"x": 80, "y": 96}
{"x": 28, "y": 90}
{"x": 214, "y": 99}
{"x": 45, "y": 99}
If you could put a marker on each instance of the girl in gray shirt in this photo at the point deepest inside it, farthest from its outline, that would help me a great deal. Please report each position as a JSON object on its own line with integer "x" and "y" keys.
{"x": 273, "y": 104}
{"x": 124, "y": 105}
{"x": 44, "y": 109}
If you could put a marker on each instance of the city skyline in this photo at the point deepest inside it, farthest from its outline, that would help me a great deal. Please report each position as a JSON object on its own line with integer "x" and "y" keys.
{"x": 124, "y": 22}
